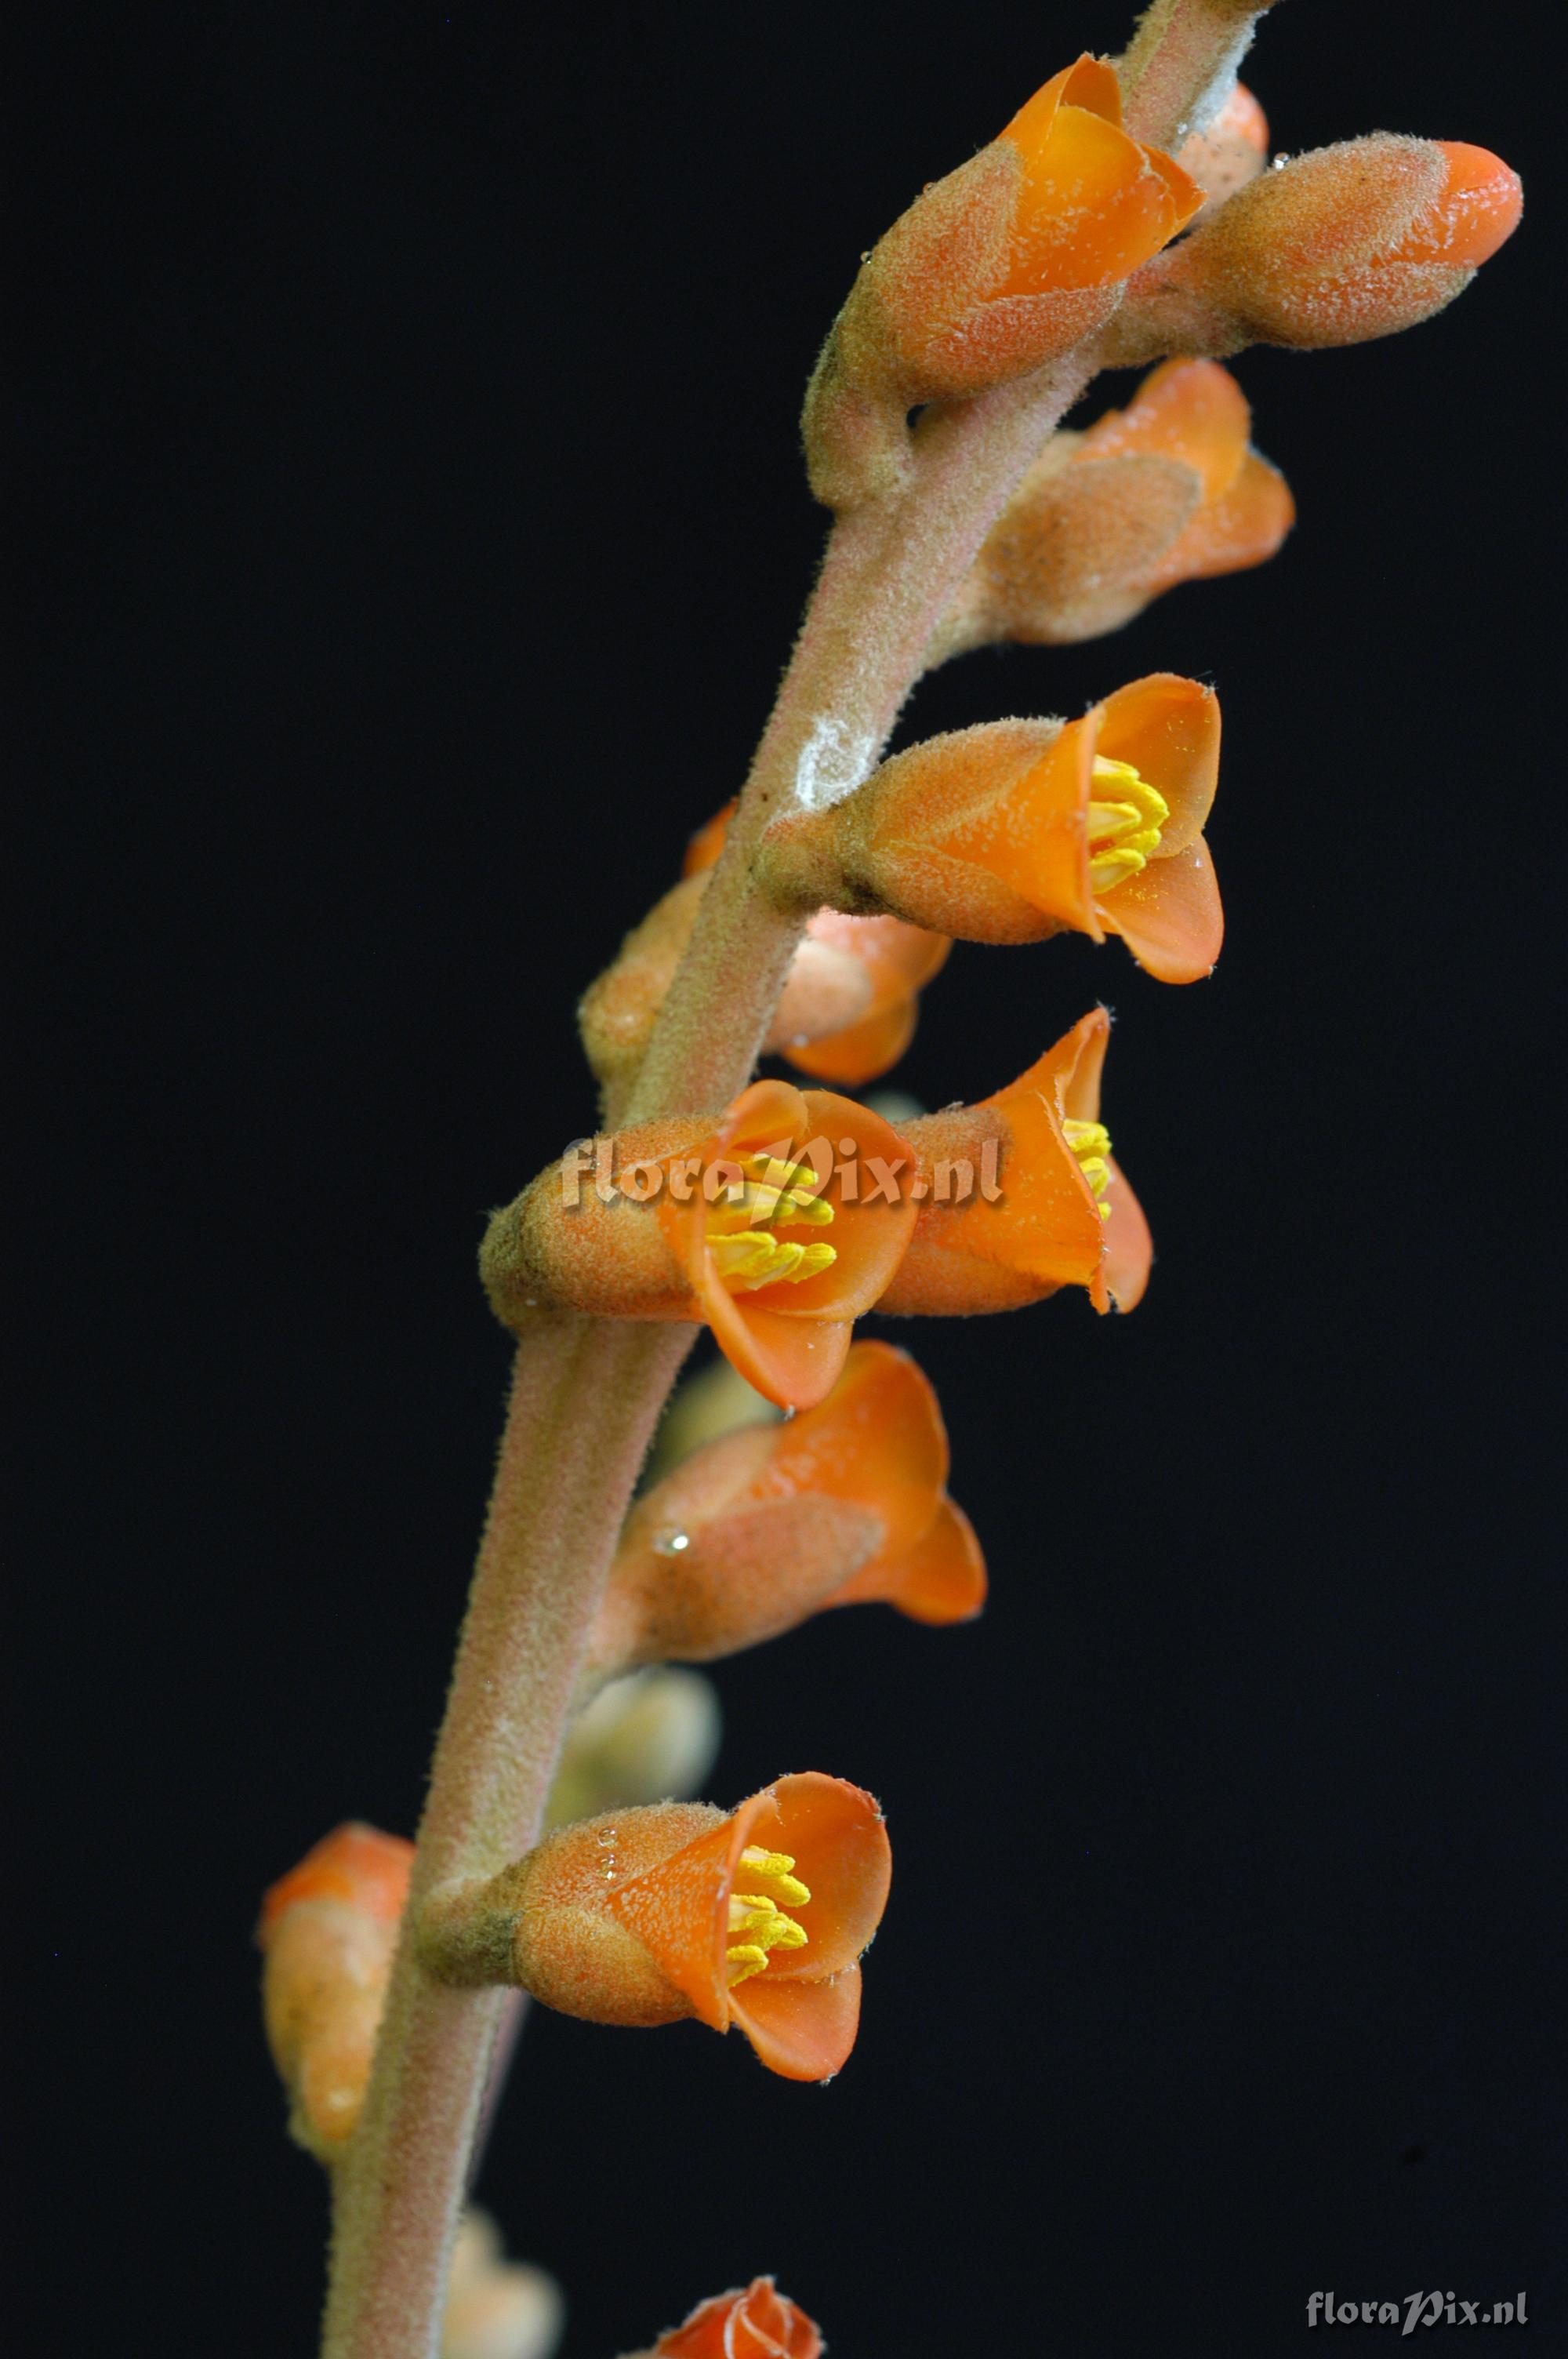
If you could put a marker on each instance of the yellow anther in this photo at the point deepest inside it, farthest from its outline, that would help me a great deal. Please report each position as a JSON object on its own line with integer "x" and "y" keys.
{"x": 1090, "y": 1142}
{"x": 1125, "y": 827}
{"x": 741, "y": 1236}
{"x": 757, "y": 1916}
{"x": 775, "y": 1868}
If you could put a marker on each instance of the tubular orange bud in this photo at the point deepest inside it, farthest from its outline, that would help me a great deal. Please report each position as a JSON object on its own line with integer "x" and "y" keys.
{"x": 653, "y": 1916}
{"x": 755, "y": 2321}
{"x": 328, "y": 1930}
{"x": 1336, "y": 247}
{"x": 776, "y": 1223}
{"x": 1059, "y": 1211}
{"x": 844, "y": 1505}
{"x": 1012, "y": 830}
{"x": 1164, "y": 492}
{"x": 1001, "y": 267}
{"x": 849, "y": 1002}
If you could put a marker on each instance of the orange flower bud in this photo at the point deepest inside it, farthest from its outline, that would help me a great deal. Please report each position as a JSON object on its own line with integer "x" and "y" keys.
{"x": 1021, "y": 1195}
{"x": 1162, "y": 491}
{"x": 1012, "y": 830}
{"x": 844, "y": 1505}
{"x": 497, "y": 2308}
{"x": 1231, "y": 152}
{"x": 615, "y": 1015}
{"x": 745, "y": 1220}
{"x": 1337, "y": 246}
{"x": 754, "y": 2322}
{"x": 328, "y": 1930}
{"x": 1004, "y": 265}
{"x": 652, "y": 1916}
{"x": 848, "y": 1005}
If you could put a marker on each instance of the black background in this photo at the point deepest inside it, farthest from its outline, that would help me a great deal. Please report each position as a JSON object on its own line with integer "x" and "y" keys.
{"x": 419, "y": 530}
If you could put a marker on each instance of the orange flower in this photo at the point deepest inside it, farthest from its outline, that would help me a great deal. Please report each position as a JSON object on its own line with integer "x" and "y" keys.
{"x": 848, "y": 1006}
{"x": 1012, "y": 830}
{"x": 1004, "y": 265}
{"x": 1095, "y": 202}
{"x": 1020, "y": 1194}
{"x": 754, "y": 2322}
{"x": 653, "y": 1916}
{"x": 328, "y": 1930}
{"x": 844, "y": 1505}
{"x": 742, "y": 1220}
{"x": 1346, "y": 244}
{"x": 1162, "y": 491}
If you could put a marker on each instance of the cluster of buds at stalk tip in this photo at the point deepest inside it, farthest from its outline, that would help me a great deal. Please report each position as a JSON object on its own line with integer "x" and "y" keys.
{"x": 844, "y": 1505}
{"x": 1165, "y": 491}
{"x": 1003, "y": 267}
{"x": 754, "y": 2321}
{"x": 1334, "y": 248}
{"x": 848, "y": 1008}
{"x": 1014, "y": 830}
{"x": 678, "y": 1912}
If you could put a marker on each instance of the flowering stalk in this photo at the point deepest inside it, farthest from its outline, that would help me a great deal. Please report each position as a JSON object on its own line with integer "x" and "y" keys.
{"x": 991, "y": 306}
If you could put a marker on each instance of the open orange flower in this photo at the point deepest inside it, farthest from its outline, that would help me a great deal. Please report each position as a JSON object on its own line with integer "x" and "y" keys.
{"x": 849, "y": 1002}
{"x": 844, "y": 1505}
{"x": 1162, "y": 491}
{"x": 754, "y": 2321}
{"x": 653, "y": 1916}
{"x": 328, "y": 1930}
{"x": 1020, "y": 1194}
{"x": 744, "y": 1220}
{"x": 1013, "y": 829}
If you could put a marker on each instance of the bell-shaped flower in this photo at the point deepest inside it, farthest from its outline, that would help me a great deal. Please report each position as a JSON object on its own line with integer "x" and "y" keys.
{"x": 1162, "y": 491}
{"x": 1004, "y": 265}
{"x": 1012, "y": 830}
{"x": 844, "y": 1505}
{"x": 1334, "y": 247}
{"x": 328, "y": 1930}
{"x": 745, "y": 1220}
{"x": 754, "y": 2321}
{"x": 1022, "y": 1194}
{"x": 757, "y": 1919}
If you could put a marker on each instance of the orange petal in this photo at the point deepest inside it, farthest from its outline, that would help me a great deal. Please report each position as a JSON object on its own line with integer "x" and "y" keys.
{"x": 1244, "y": 528}
{"x": 1129, "y": 1247}
{"x": 1168, "y": 728}
{"x": 835, "y": 1834}
{"x": 756, "y": 2323}
{"x": 1187, "y": 409}
{"x": 1169, "y": 915}
{"x": 941, "y": 1579}
{"x": 803, "y": 2031}
{"x": 1477, "y": 212}
{"x": 862, "y": 1052}
{"x": 355, "y": 1863}
{"x": 878, "y": 1442}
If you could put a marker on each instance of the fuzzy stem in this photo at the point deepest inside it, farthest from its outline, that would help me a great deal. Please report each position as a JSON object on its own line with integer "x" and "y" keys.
{"x": 584, "y": 1402}
{"x": 1180, "y": 66}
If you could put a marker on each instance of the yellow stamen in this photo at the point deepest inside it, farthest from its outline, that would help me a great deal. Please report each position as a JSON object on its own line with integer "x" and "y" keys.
{"x": 757, "y": 1917}
{"x": 1090, "y": 1142}
{"x": 1124, "y": 829}
{"x": 774, "y": 1194}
